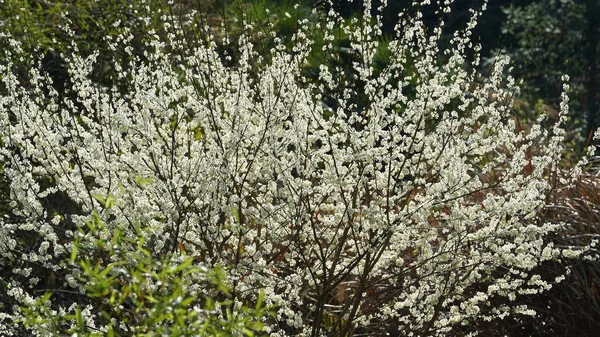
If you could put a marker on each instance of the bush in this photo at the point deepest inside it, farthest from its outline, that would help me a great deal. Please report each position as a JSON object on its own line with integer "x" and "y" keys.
{"x": 403, "y": 200}
{"x": 135, "y": 295}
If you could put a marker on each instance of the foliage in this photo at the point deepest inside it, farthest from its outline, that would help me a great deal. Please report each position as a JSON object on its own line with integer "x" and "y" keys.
{"x": 548, "y": 38}
{"x": 130, "y": 293}
{"x": 51, "y": 28}
{"x": 368, "y": 198}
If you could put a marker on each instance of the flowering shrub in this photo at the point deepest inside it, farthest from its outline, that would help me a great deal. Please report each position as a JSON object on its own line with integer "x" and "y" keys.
{"x": 397, "y": 200}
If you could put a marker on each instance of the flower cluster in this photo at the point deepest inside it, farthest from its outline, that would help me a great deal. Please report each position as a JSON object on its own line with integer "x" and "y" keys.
{"x": 360, "y": 200}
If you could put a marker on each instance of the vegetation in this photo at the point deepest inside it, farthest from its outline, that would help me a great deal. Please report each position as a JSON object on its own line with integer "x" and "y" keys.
{"x": 282, "y": 169}
{"x": 550, "y": 38}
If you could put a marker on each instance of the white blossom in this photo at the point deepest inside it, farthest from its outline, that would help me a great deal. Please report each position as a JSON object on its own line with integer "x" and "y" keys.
{"x": 391, "y": 199}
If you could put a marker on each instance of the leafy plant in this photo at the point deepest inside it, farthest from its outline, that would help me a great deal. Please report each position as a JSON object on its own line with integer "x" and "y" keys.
{"x": 131, "y": 293}
{"x": 548, "y": 38}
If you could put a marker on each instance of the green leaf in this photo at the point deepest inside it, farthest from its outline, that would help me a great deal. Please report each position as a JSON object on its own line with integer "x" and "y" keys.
{"x": 260, "y": 299}
{"x": 198, "y": 133}
{"x": 141, "y": 181}
{"x": 96, "y": 219}
{"x": 92, "y": 224}
{"x": 79, "y": 320}
{"x": 86, "y": 265}
{"x": 107, "y": 202}
{"x": 74, "y": 252}
{"x": 110, "y": 201}
{"x": 182, "y": 266}
{"x": 150, "y": 298}
{"x": 185, "y": 303}
{"x": 235, "y": 214}
{"x": 106, "y": 270}
{"x": 100, "y": 198}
